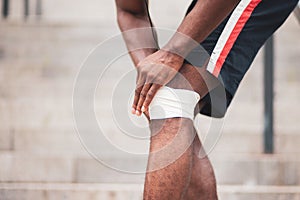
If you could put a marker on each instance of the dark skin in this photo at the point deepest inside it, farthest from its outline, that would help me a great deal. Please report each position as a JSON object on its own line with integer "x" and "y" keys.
{"x": 195, "y": 27}
{"x": 188, "y": 177}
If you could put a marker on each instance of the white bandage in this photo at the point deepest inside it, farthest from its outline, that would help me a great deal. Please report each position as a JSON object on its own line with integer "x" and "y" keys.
{"x": 170, "y": 103}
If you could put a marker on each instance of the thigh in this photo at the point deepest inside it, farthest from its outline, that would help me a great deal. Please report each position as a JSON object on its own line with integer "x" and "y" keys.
{"x": 234, "y": 44}
{"x": 263, "y": 21}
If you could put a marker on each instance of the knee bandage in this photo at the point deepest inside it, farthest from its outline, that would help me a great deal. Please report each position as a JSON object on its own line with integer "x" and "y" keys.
{"x": 170, "y": 103}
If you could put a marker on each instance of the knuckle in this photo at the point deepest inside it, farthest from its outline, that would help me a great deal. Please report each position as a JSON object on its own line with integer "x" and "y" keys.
{"x": 151, "y": 76}
{"x": 143, "y": 72}
{"x": 158, "y": 80}
{"x": 150, "y": 95}
{"x": 142, "y": 94}
{"x": 137, "y": 91}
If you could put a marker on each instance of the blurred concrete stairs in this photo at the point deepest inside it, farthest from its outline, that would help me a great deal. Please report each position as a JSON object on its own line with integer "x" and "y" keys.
{"x": 133, "y": 191}
{"x": 41, "y": 155}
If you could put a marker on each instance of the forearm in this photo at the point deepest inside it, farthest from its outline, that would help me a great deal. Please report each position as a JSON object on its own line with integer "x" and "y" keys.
{"x": 137, "y": 34}
{"x": 198, "y": 24}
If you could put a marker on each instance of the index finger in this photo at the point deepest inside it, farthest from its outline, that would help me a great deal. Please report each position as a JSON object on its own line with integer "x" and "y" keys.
{"x": 139, "y": 86}
{"x": 136, "y": 99}
{"x": 150, "y": 95}
{"x": 139, "y": 109}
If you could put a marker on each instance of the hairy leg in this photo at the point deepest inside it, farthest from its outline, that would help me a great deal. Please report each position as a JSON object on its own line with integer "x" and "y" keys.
{"x": 170, "y": 160}
{"x": 202, "y": 183}
{"x": 174, "y": 169}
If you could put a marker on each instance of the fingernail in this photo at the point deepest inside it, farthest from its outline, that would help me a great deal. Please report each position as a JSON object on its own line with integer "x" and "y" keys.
{"x": 143, "y": 109}
{"x": 138, "y": 113}
{"x": 133, "y": 111}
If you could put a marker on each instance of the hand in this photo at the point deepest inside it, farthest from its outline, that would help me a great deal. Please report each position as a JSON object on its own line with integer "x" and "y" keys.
{"x": 154, "y": 72}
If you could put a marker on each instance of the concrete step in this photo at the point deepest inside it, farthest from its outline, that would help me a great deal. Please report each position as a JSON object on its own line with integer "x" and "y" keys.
{"x": 55, "y": 191}
{"x": 29, "y": 168}
{"x": 256, "y": 169}
{"x": 242, "y": 169}
{"x": 49, "y": 136}
{"x": 229, "y": 169}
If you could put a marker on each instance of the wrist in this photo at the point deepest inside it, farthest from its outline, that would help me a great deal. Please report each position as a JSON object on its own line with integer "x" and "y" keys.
{"x": 170, "y": 56}
{"x": 174, "y": 49}
{"x": 141, "y": 54}
{"x": 180, "y": 44}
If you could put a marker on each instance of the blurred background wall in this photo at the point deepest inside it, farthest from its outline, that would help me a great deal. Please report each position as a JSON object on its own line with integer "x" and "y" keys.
{"x": 41, "y": 156}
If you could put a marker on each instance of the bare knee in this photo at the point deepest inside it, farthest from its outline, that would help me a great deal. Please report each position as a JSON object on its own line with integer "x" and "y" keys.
{"x": 166, "y": 129}
{"x": 170, "y": 139}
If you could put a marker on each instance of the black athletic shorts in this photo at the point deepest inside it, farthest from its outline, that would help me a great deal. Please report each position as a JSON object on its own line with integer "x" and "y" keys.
{"x": 233, "y": 45}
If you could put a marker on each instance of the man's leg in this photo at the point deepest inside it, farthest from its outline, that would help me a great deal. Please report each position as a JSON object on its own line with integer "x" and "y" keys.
{"x": 202, "y": 183}
{"x": 175, "y": 140}
{"x": 170, "y": 182}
